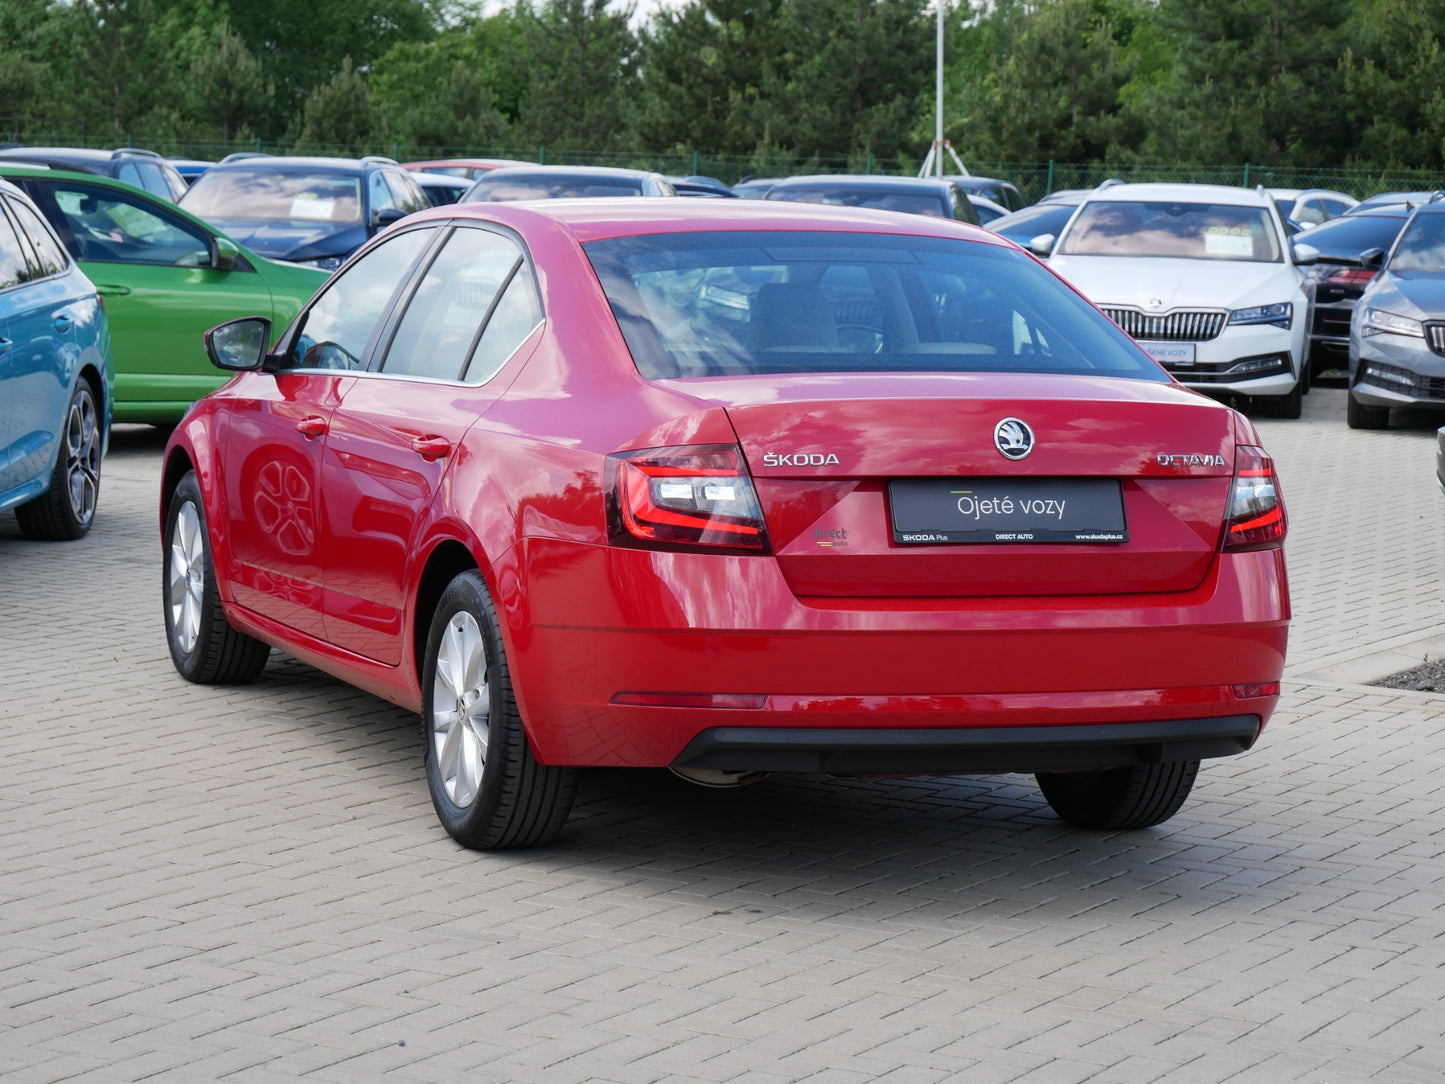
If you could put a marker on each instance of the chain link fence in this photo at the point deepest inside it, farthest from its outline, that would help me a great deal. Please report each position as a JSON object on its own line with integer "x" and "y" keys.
{"x": 1034, "y": 179}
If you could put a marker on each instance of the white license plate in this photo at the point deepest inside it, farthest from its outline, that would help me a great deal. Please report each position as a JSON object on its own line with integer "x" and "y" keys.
{"x": 1170, "y": 355}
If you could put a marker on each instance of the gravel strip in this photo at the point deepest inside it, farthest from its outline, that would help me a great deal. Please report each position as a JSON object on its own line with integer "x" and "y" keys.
{"x": 1428, "y": 677}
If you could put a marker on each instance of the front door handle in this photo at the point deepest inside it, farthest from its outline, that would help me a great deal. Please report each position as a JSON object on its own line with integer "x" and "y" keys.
{"x": 5, "y": 345}
{"x": 312, "y": 427}
{"x": 111, "y": 289}
{"x": 432, "y": 448}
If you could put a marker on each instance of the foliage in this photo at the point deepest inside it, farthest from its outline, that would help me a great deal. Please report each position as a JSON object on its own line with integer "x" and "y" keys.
{"x": 768, "y": 85}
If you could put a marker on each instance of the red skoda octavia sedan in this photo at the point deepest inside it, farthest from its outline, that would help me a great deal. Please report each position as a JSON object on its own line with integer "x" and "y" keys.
{"x": 731, "y": 488}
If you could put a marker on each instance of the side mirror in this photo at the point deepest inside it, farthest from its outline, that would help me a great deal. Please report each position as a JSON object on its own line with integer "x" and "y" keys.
{"x": 1042, "y": 245}
{"x": 388, "y": 216}
{"x": 239, "y": 345}
{"x": 224, "y": 253}
{"x": 1372, "y": 259}
{"x": 1304, "y": 255}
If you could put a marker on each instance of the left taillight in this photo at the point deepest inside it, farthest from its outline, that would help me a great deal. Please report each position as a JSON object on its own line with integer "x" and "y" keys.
{"x": 1255, "y": 518}
{"x": 694, "y": 496}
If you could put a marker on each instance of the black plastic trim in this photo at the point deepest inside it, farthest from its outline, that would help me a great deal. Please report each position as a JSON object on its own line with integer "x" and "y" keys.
{"x": 948, "y": 751}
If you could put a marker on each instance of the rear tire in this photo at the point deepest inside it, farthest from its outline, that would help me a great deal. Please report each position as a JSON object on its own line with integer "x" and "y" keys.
{"x": 1360, "y": 416}
{"x": 489, "y": 791}
{"x": 1120, "y": 798}
{"x": 65, "y": 511}
{"x": 204, "y": 646}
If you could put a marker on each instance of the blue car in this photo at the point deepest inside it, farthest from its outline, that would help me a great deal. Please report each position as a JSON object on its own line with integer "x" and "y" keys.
{"x": 311, "y": 211}
{"x": 56, "y": 378}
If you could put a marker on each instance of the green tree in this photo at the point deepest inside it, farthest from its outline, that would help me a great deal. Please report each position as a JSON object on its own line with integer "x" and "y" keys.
{"x": 580, "y": 63}
{"x": 460, "y": 91}
{"x": 856, "y": 72}
{"x": 710, "y": 74}
{"x": 225, "y": 86}
{"x": 1393, "y": 83}
{"x": 302, "y": 45}
{"x": 339, "y": 116}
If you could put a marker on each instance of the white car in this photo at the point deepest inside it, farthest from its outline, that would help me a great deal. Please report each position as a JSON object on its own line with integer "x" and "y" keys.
{"x": 1205, "y": 279}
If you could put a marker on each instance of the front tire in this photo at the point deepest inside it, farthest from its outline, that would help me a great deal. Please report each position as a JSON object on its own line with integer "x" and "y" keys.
{"x": 65, "y": 511}
{"x": 489, "y": 791}
{"x": 204, "y": 646}
{"x": 1360, "y": 416}
{"x": 1120, "y": 798}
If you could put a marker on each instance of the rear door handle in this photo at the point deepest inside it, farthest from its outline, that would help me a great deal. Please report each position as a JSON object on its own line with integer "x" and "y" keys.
{"x": 312, "y": 427}
{"x": 431, "y": 448}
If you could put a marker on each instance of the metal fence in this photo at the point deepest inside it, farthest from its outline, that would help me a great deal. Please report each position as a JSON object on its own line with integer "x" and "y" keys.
{"x": 1033, "y": 179}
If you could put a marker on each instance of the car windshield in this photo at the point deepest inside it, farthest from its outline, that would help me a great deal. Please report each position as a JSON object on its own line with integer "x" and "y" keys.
{"x": 882, "y": 199}
{"x": 1197, "y": 231}
{"x": 500, "y": 189}
{"x": 1422, "y": 245}
{"x": 714, "y": 304}
{"x": 223, "y": 195}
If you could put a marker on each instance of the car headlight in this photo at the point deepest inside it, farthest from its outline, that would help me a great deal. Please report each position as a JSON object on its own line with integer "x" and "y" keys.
{"x": 1380, "y": 322}
{"x": 323, "y": 263}
{"x": 1280, "y": 314}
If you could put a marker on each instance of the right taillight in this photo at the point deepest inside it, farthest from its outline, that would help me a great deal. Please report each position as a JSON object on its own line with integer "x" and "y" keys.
{"x": 699, "y": 496}
{"x": 1255, "y": 518}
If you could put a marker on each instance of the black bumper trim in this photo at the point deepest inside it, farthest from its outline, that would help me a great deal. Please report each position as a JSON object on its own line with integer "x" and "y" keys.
{"x": 918, "y": 751}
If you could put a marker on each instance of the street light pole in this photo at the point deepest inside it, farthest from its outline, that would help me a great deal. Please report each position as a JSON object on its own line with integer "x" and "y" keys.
{"x": 938, "y": 126}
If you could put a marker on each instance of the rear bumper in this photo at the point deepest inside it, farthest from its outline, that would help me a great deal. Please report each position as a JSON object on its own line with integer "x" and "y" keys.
{"x": 716, "y": 643}
{"x": 842, "y": 751}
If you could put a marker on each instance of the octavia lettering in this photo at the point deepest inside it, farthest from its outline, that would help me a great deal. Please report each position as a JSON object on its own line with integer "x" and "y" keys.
{"x": 1192, "y": 459}
{"x": 979, "y": 507}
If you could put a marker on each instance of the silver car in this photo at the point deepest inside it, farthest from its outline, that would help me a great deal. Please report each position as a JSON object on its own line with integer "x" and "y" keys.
{"x": 1397, "y": 331}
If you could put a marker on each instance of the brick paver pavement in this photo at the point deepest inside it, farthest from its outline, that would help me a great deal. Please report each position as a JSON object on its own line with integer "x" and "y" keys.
{"x": 249, "y": 884}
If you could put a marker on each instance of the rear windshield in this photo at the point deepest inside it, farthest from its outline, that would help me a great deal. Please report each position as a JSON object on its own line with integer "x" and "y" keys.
{"x": 1199, "y": 231}
{"x": 501, "y": 189}
{"x": 716, "y": 304}
{"x": 881, "y": 199}
{"x": 223, "y": 195}
{"x": 1348, "y": 236}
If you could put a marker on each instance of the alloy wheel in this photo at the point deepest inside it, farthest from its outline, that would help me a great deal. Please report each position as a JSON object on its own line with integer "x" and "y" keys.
{"x": 460, "y": 721}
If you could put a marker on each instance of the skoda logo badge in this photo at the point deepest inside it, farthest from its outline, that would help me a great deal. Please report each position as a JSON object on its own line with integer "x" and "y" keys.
{"x": 1013, "y": 438}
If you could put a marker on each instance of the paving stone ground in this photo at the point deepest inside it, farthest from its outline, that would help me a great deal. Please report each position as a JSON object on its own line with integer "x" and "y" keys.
{"x": 249, "y": 884}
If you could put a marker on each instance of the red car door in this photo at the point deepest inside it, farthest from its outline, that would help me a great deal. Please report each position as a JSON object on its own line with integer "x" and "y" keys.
{"x": 274, "y": 500}
{"x": 397, "y": 430}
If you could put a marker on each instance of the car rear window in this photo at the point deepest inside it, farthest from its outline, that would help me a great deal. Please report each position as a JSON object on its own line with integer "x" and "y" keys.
{"x": 1199, "y": 231}
{"x": 882, "y": 199}
{"x": 1351, "y": 235}
{"x": 501, "y": 189}
{"x": 715, "y": 304}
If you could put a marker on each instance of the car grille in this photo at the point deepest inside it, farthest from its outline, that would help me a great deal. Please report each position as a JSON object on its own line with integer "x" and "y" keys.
{"x": 1402, "y": 380}
{"x": 1435, "y": 336}
{"x": 1171, "y": 327}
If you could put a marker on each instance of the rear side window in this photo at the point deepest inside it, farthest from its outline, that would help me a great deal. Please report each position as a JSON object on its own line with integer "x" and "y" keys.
{"x": 711, "y": 304}
{"x": 13, "y": 269}
{"x": 452, "y": 304}
{"x": 47, "y": 250}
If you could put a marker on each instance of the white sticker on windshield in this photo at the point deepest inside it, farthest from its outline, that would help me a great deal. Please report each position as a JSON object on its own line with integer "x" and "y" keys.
{"x": 310, "y": 207}
{"x": 1224, "y": 242}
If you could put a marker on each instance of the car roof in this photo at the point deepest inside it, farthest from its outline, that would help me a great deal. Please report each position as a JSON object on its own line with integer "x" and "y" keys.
{"x": 877, "y": 181}
{"x": 598, "y": 218}
{"x": 524, "y": 170}
{"x": 1184, "y": 193}
{"x": 297, "y": 163}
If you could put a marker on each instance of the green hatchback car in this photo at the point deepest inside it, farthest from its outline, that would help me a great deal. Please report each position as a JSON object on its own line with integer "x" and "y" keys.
{"x": 165, "y": 277}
